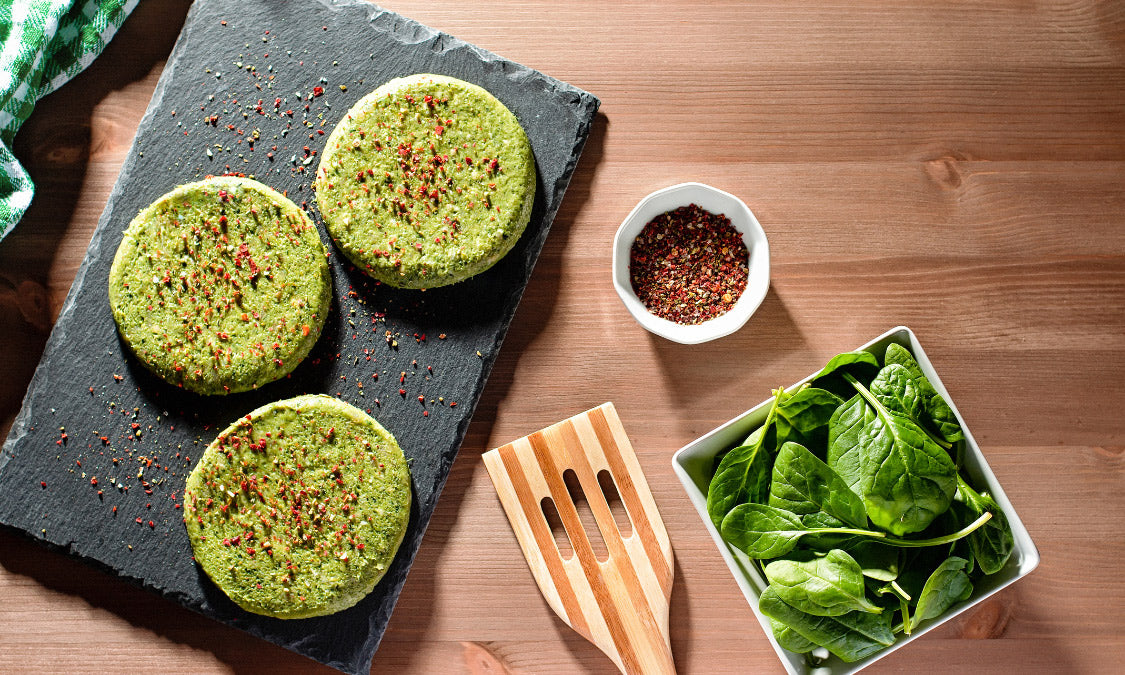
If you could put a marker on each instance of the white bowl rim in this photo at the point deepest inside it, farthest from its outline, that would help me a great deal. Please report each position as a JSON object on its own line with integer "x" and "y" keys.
{"x": 742, "y": 218}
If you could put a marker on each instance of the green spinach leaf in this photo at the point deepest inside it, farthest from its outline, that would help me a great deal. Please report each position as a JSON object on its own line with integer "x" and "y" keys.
{"x": 828, "y": 586}
{"x": 938, "y": 413}
{"x": 851, "y": 637}
{"x": 948, "y": 585}
{"x": 857, "y": 361}
{"x": 845, "y": 456}
{"x": 762, "y": 531}
{"x": 802, "y": 484}
{"x": 765, "y": 532}
{"x": 992, "y": 545}
{"x": 897, "y": 390}
{"x": 878, "y": 561}
{"x": 743, "y": 475}
{"x": 803, "y": 417}
{"x": 907, "y": 479}
{"x": 791, "y": 639}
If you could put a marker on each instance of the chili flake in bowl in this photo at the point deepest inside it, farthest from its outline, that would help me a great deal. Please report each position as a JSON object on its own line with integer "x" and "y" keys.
{"x": 691, "y": 263}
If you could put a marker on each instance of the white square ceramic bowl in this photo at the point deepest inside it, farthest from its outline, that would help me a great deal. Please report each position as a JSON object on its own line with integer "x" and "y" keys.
{"x": 694, "y": 463}
{"x": 715, "y": 201}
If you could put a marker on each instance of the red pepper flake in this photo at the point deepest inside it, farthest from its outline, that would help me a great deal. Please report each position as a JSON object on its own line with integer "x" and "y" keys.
{"x": 93, "y": 481}
{"x": 689, "y": 265}
{"x": 318, "y": 91}
{"x": 43, "y": 484}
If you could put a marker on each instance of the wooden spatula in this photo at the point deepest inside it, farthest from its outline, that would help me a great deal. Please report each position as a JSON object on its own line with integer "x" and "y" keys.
{"x": 620, "y": 604}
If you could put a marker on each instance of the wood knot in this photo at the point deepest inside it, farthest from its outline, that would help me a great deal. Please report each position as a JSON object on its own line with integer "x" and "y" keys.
{"x": 65, "y": 146}
{"x": 27, "y": 298}
{"x": 989, "y": 620}
{"x": 479, "y": 660}
{"x": 945, "y": 172}
{"x": 34, "y": 307}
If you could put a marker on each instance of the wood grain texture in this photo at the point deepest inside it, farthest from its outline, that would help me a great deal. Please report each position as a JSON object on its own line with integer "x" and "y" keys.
{"x": 954, "y": 167}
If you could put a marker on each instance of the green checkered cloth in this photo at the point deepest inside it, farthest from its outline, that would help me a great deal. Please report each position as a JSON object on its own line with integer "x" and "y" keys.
{"x": 43, "y": 43}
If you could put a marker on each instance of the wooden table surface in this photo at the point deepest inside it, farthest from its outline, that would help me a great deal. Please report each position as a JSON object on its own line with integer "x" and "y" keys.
{"x": 954, "y": 167}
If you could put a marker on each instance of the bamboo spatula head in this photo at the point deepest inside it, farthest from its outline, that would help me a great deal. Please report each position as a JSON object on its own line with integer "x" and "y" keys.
{"x": 620, "y": 603}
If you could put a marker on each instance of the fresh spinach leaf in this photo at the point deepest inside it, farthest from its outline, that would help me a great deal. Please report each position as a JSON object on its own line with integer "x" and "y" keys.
{"x": 857, "y": 361}
{"x": 744, "y": 474}
{"x": 906, "y": 478}
{"x": 765, "y": 532}
{"x": 845, "y": 456}
{"x": 802, "y": 484}
{"x": 938, "y": 413}
{"x": 791, "y": 639}
{"x": 948, "y": 585}
{"x": 803, "y": 416}
{"x": 762, "y": 531}
{"x": 896, "y": 389}
{"x": 828, "y": 586}
{"x": 878, "y": 561}
{"x": 991, "y": 545}
{"x": 851, "y": 637}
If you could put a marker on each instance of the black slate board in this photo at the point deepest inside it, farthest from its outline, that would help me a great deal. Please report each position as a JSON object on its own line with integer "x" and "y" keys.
{"x": 96, "y": 460}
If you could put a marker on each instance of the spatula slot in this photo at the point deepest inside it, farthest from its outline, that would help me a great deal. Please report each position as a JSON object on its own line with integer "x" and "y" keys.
{"x": 562, "y": 541}
{"x": 585, "y": 515}
{"x": 616, "y": 506}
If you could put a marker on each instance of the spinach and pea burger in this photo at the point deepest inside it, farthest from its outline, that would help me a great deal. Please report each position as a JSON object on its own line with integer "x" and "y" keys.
{"x": 297, "y": 509}
{"x": 427, "y": 181}
{"x": 220, "y": 286}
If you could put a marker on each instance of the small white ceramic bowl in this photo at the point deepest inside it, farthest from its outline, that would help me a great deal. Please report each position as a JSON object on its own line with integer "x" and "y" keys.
{"x": 715, "y": 201}
{"x": 694, "y": 463}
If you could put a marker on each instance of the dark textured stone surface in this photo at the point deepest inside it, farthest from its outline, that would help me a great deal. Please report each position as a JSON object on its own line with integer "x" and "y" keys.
{"x": 153, "y": 433}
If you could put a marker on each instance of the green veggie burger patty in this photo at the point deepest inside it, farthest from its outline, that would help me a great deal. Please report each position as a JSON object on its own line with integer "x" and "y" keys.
{"x": 427, "y": 181}
{"x": 297, "y": 509}
{"x": 220, "y": 286}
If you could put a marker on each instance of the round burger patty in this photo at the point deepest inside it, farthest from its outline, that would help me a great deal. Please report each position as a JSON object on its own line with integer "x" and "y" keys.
{"x": 220, "y": 286}
{"x": 427, "y": 181}
{"x": 297, "y": 509}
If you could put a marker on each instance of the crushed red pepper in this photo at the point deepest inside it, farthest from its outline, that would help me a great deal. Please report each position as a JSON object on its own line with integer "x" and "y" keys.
{"x": 689, "y": 265}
